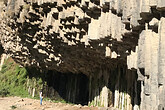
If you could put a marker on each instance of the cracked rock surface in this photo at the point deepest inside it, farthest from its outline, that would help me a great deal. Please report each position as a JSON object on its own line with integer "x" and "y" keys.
{"x": 84, "y": 36}
{"x": 67, "y": 36}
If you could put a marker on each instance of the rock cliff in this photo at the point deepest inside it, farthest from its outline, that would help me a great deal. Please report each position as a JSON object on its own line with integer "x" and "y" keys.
{"x": 117, "y": 44}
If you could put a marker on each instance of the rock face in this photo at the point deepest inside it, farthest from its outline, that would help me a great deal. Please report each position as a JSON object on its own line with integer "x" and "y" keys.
{"x": 67, "y": 36}
{"x": 95, "y": 38}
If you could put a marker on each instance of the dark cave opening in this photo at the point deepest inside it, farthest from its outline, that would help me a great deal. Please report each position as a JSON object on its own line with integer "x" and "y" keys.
{"x": 71, "y": 87}
{"x": 83, "y": 89}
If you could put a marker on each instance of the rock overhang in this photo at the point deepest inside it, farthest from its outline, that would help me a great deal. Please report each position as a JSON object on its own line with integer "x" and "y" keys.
{"x": 74, "y": 36}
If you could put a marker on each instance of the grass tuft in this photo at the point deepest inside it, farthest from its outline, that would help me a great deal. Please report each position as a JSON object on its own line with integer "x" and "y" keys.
{"x": 13, "y": 107}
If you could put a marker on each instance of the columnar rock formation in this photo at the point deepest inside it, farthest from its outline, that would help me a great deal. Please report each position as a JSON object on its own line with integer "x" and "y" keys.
{"x": 98, "y": 38}
{"x": 45, "y": 32}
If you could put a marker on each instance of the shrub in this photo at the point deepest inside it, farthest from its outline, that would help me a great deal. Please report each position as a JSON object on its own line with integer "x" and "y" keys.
{"x": 4, "y": 92}
{"x": 13, "y": 107}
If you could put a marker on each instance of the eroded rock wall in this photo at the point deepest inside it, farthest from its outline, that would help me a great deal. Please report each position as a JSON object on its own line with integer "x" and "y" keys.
{"x": 89, "y": 36}
{"x": 149, "y": 58}
{"x": 64, "y": 35}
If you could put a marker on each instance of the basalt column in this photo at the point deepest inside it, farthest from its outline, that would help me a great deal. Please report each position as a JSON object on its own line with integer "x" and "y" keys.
{"x": 68, "y": 86}
{"x": 161, "y": 64}
{"x": 114, "y": 88}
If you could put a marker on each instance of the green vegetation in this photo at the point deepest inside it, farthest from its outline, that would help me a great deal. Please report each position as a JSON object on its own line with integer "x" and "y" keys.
{"x": 56, "y": 101}
{"x": 13, "y": 79}
{"x": 16, "y": 80}
{"x": 13, "y": 107}
{"x": 91, "y": 104}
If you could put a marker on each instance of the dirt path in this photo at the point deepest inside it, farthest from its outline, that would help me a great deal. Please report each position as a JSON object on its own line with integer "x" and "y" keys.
{"x": 18, "y": 103}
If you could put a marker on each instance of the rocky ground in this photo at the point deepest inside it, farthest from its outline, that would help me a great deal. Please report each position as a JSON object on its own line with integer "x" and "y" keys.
{"x": 17, "y": 103}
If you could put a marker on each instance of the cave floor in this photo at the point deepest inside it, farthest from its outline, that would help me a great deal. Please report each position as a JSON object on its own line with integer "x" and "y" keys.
{"x": 19, "y": 103}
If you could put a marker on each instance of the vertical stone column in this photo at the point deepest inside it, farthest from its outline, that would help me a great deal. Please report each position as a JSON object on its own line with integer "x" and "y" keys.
{"x": 161, "y": 62}
{"x": 145, "y": 6}
{"x": 3, "y": 57}
{"x": 136, "y": 107}
{"x": 117, "y": 93}
{"x": 141, "y": 65}
{"x": 148, "y": 50}
{"x": 147, "y": 64}
{"x": 154, "y": 71}
{"x": 141, "y": 50}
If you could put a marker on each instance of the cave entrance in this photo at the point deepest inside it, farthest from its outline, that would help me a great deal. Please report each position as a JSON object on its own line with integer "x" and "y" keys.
{"x": 68, "y": 86}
